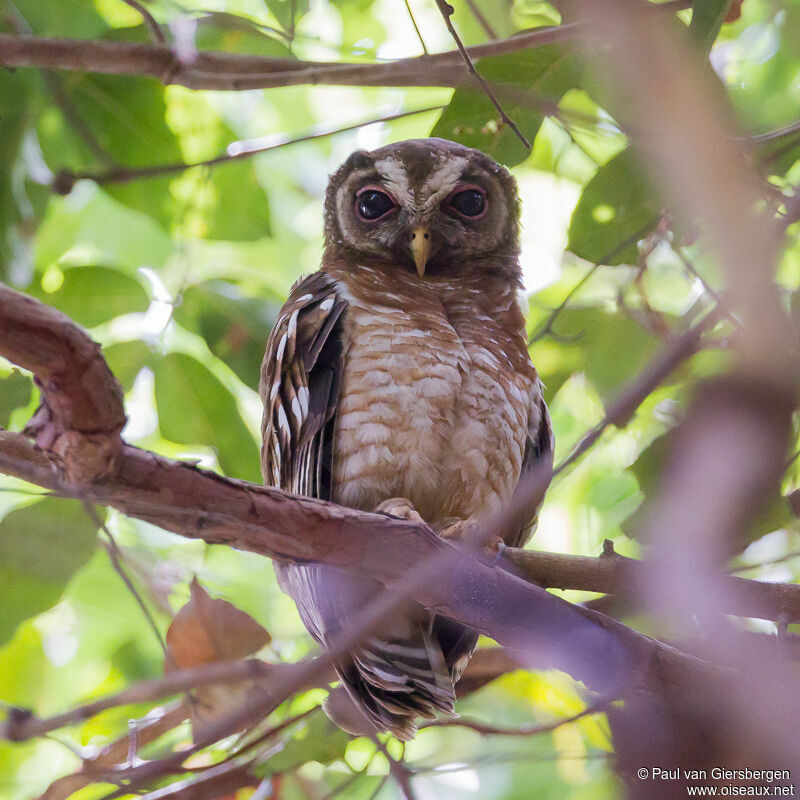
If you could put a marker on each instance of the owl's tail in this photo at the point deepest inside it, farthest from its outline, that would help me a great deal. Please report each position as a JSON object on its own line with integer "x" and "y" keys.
{"x": 388, "y": 682}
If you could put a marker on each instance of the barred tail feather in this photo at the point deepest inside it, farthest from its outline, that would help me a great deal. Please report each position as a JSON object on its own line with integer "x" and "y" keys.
{"x": 391, "y": 682}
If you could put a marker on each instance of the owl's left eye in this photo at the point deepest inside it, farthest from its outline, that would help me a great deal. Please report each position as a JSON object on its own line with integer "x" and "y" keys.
{"x": 469, "y": 202}
{"x": 372, "y": 204}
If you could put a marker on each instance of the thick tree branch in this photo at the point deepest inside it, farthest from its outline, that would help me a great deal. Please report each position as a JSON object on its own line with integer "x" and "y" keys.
{"x": 82, "y": 415}
{"x": 236, "y": 72}
{"x": 486, "y": 665}
{"x": 612, "y": 573}
{"x": 187, "y": 500}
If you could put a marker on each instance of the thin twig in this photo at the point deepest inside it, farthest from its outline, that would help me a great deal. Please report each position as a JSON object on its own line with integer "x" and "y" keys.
{"x": 622, "y": 409}
{"x": 768, "y": 562}
{"x": 155, "y": 29}
{"x": 379, "y": 787}
{"x": 65, "y": 180}
{"x": 117, "y": 557}
{"x": 632, "y": 239}
{"x": 398, "y": 770}
{"x": 710, "y": 290}
{"x": 485, "y": 729}
{"x": 416, "y": 27}
{"x": 21, "y": 725}
{"x": 447, "y": 12}
{"x": 481, "y": 19}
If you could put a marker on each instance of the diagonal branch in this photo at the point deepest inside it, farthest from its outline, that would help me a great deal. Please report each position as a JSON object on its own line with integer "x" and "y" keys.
{"x": 447, "y": 11}
{"x": 65, "y": 180}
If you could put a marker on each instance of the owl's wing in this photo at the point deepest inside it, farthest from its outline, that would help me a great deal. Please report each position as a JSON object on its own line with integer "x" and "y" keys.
{"x": 539, "y": 447}
{"x": 300, "y": 379}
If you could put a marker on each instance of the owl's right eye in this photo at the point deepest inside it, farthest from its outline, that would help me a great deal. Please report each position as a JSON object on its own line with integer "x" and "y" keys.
{"x": 372, "y": 204}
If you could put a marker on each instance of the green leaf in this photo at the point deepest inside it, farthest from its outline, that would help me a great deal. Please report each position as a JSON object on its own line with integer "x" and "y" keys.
{"x": 288, "y": 12}
{"x": 41, "y": 547}
{"x": 20, "y": 201}
{"x": 75, "y": 19}
{"x": 126, "y": 359}
{"x": 126, "y": 117}
{"x": 233, "y": 33}
{"x": 235, "y": 327}
{"x": 89, "y": 226}
{"x": 591, "y": 341}
{"x": 15, "y": 392}
{"x": 707, "y": 19}
{"x": 240, "y": 207}
{"x": 225, "y": 201}
{"x": 616, "y": 209}
{"x": 471, "y": 118}
{"x": 317, "y": 739}
{"x": 195, "y": 408}
{"x": 93, "y": 295}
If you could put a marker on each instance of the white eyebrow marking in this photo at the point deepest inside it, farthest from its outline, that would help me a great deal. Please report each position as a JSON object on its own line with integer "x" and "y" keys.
{"x": 394, "y": 174}
{"x": 443, "y": 179}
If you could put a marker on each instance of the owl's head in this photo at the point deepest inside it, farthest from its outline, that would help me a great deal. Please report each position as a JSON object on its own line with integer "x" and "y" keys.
{"x": 428, "y": 205}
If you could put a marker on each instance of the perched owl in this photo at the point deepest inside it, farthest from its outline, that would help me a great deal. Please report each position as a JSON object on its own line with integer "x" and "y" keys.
{"x": 397, "y": 379}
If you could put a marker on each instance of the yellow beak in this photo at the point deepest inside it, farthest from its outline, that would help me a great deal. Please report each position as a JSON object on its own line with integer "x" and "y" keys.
{"x": 421, "y": 247}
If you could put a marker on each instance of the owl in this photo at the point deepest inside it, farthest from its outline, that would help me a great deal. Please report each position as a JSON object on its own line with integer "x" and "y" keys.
{"x": 397, "y": 379}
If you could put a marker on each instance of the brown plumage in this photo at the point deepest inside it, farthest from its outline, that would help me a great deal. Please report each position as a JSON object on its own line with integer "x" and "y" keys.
{"x": 397, "y": 379}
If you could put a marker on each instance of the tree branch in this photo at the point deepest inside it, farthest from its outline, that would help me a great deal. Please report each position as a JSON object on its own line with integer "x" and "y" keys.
{"x": 237, "y": 72}
{"x": 484, "y": 729}
{"x": 187, "y": 500}
{"x": 446, "y": 10}
{"x": 65, "y": 179}
{"x": 612, "y": 573}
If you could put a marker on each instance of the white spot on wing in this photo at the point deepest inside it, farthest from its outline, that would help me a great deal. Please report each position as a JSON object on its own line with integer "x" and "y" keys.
{"x": 302, "y": 396}
{"x": 281, "y": 347}
{"x": 293, "y": 322}
{"x": 296, "y": 409}
{"x": 283, "y": 421}
{"x": 326, "y": 304}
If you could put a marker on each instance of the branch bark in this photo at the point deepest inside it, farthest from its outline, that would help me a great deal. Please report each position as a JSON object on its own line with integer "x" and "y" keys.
{"x": 236, "y": 72}
{"x": 187, "y": 500}
{"x": 615, "y": 574}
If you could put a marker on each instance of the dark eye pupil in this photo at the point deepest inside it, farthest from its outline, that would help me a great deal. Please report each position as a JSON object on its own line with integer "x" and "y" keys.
{"x": 373, "y": 204}
{"x": 470, "y": 202}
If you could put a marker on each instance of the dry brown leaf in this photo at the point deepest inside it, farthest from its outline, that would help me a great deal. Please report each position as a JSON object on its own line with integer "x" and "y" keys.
{"x": 207, "y": 630}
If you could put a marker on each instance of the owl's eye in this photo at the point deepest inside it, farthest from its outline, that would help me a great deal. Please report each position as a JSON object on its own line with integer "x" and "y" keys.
{"x": 470, "y": 202}
{"x": 372, "y": 204}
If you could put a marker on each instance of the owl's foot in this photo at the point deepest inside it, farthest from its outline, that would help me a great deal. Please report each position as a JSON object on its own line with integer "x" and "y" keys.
{"x": 399, "y": 507}
{"x": 465, "y": 531}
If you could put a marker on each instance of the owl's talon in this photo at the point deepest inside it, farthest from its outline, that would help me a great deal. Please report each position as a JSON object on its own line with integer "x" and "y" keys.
{"x": 399, "y": 507}
{"x": 501, "y": 548}
{"x": 465, "y": 532}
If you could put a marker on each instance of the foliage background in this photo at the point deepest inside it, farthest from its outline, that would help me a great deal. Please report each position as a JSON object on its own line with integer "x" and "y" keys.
{"x": 179, "y": 277}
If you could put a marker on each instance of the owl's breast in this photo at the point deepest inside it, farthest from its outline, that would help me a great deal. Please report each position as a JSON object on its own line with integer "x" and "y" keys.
{"x": 402, "y": 376}
{"x": 426, "y": 411}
